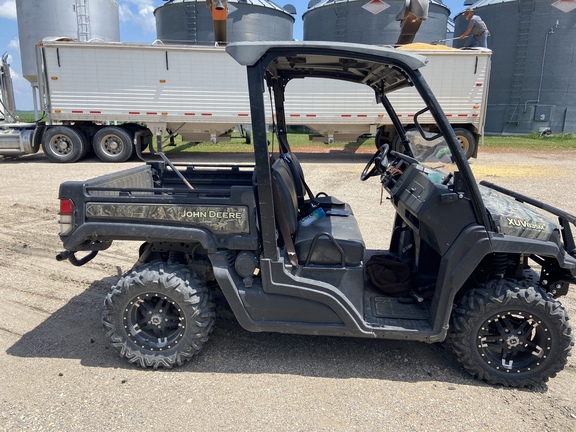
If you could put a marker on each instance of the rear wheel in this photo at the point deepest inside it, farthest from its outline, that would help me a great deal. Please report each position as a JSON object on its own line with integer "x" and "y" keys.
{"x": 158, "y": 315}
{"x": 511, "y": 334}
{"x": 467, "y": 141}
{"x": 113, "y": 144}
{"x": 64, "y": 144}
{"x": 397, "y": 145}
{"x": 381, "y": 138}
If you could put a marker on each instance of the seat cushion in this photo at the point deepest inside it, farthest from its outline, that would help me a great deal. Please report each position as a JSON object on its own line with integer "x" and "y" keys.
{"x": 346, "y": 234}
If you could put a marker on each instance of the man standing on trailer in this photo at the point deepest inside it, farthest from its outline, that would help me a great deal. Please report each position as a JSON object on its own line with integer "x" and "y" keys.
{"x": 477, "y": 28}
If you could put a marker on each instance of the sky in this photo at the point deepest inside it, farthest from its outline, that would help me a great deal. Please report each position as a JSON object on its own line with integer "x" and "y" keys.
{"x": 137, "y": 24}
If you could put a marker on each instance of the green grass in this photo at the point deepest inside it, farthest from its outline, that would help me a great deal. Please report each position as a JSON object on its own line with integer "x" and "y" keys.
{"x": 26, "y": 116}
{"x": 301, "y": 141}
{"x": 532, "y": 142}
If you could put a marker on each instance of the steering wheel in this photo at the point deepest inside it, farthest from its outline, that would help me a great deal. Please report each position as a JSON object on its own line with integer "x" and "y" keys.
{"x": 376, "y": 164}
{"x": 404, "y": 157}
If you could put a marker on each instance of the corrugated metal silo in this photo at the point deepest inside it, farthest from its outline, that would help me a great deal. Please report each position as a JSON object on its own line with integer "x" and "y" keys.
{"x": 368, "y": 21}
{"x": 75, "y": 19}
{"x": 190, "y": 22}
{"x": 533, "y": 78}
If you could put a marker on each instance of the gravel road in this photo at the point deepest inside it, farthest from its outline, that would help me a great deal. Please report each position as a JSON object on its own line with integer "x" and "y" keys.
{"x": 57, "y": 372}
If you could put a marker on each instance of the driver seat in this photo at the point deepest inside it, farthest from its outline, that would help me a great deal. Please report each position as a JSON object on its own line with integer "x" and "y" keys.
{"x": 321, "y": 199}
{"x": 332, "y": 240}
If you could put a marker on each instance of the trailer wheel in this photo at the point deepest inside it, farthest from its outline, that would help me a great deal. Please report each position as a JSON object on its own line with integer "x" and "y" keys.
{"x": 64, "y": 144}
{"x": 113, "y": 144}
{"x": 381, "y": 138}
{"x": 510, "y": 333}
{"x": 467, "y": 141}
{"x": 158, "y": 315}
{"x": 397, "y": 142}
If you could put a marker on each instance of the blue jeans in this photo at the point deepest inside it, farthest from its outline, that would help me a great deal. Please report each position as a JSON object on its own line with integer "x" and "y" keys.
{"x": 480, "y": 40}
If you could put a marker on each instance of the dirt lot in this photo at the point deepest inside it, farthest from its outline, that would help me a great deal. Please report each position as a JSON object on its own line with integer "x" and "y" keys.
{"x": 57, "y": 372}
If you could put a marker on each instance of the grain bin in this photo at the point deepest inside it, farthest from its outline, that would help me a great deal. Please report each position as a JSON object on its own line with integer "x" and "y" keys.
{"x": 368, "y": 21}
{"x": 190, "y": 22}
{"x": 533, "y": 80}
{"x": 75, "y": 19}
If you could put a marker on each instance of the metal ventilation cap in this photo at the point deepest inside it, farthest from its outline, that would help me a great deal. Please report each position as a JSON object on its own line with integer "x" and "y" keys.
{"x": 290, "y": 9}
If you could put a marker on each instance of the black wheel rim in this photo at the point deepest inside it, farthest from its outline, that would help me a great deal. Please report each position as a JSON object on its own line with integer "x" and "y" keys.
{"x": 154, "y": 322}
{"x": 514, "y": 342}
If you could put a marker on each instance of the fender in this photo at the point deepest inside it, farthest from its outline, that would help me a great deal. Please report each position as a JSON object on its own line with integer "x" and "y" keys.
{"x": 113, "y": 231}
{"x": 456, "y": 266}
{"x": 465, "y": 255}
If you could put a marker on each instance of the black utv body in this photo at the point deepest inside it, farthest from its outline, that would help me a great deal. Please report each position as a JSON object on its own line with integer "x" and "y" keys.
{"x": 476, "y": 264}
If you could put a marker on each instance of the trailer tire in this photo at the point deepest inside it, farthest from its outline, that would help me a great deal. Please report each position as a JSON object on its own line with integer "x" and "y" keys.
{"x": 64, "y": 144}
{"x": 510, "y": 333}
{"x": 158, "y": 315}
{"x": 113, "y": 144}
{"x": 467, "y": 141}
{"x": 382, "y": 138}
{"x": 396, "y": 142}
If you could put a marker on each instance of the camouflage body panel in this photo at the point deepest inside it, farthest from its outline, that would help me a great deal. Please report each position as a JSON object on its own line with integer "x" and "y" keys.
{"x": 512, "y": 217}
{"x": 218, "y": 219}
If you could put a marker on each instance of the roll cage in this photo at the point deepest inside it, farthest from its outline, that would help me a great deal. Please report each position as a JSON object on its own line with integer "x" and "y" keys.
{"x": 385, "y": 70}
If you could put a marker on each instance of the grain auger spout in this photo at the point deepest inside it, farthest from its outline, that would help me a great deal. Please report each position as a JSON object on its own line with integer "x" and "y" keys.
{"x": 411, "y": 15}
{"x": 219, "y": 10}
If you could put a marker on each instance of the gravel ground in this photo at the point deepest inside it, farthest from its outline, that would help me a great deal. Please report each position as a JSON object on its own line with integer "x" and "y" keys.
{"x": 57, "y": 372}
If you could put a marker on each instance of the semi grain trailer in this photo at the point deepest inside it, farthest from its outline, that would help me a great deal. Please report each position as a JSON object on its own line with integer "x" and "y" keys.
{"x": 113, "y": 98}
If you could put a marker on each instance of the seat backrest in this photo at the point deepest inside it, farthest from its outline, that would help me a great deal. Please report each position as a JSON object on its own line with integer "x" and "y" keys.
{"x": 288, "y": 201}
{"x": 294, "y": 167}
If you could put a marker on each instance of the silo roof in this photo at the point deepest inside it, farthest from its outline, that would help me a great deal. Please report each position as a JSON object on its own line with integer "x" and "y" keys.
{"x": 264, "y": 3}
{"x": 481, "y": 3}
{"x": 321, "y": 3}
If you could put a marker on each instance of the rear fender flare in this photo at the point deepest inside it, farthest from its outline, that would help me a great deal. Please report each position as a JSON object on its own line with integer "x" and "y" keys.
{"x": 110, "y": 231}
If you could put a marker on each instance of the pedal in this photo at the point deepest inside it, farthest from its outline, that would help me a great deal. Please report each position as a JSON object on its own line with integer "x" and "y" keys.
{"x": 416, "y": 297}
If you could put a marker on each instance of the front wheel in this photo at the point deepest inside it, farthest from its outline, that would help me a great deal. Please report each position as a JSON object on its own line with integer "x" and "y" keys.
{"x": 511, "y": 334}
{"x": 158, "y": 315}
